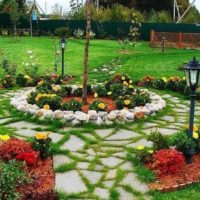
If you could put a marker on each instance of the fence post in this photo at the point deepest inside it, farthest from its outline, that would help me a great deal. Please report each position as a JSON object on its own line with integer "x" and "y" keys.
{"x": 152, "y": 34}
{"x": 180, "y": 38}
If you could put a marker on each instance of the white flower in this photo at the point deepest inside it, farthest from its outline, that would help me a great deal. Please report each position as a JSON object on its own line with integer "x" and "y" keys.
{"x": 33, "y": 64}
{"x": 29, "y": 52}
{"x": 27, "y": 64}
{"x": 31, "y": 57}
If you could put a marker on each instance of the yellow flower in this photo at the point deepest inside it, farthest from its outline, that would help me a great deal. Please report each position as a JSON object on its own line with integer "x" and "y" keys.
{"x": 125, "y": 108}
{"x": 81, "y": 86}
{"x": 127, "y": 102}
{"x": 195, "y": 135}
{"x": 46, "y": 107}
{"x": 4, "y": 138}
{"x": 101, "y": 106}
{"x": 27, "y": 77}
{"x": 130, "y": 86}
{"x": 164, "y": 79}
{"x": 123, "y": 78}
{"x": 140, "y": 147}
{"x": 125, "y": 83}
{"x": 195, "y": 128}
{"x": 130, "y": 81}
{"x": 150, "y": 151}
{"x": 95, "y": 95}
{"x": 109, "y": 93}
{"x": 37, "y": 98}
{"x": 184, "y": 78}
{"x": 41, "y": 136}
{"x": 40, "y": 83}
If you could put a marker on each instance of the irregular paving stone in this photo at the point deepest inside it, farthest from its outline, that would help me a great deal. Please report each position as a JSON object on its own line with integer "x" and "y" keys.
{"x": 60, "y": 159}
{"x": 99, "y": 167}
{"x": 149, "y": 125}
{"x": 23, "y": 124}
{"x": 163, "y": 131}
{"x": 90, "y": 136}
{"x": 26, "y": 132}
{"x": 173, "y": 127}
{"x": 132, "y": 180}
{"x": 166, "y": 96}
{"x": 123, "y": 134}
{"x": 109, "y": 149}
{"x": 83, "y": 165}
{"x": 90, "y": 158}
{"x": 109, "y": 183}
{"x": 182, "y": 106}
{"x": 113, "y": 142}
{"x": 70, "y": 182}
{"x": 91, "y": 152}
{"x": 73, "y": 144}
{"x": 3, "y": 120}
{"x": 127, "y": 166}
{"x": 168, "y": 118}
{"x": 102, "y": 193}
{"x": 111, "y": 161}
{"x": 111, "y": 174}
{"x": 178, "y": 110}
{"x": 55, "y": 137}
{"x": 142, "y": 142}
{"x": 120, "y": 154}
{"x": 92, "y": 176}
{"x": 124, "y": 195}
{"x": 104, "y": 132}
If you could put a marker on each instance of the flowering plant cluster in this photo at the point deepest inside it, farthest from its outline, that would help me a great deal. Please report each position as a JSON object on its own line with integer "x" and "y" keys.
{"x": 167, "y": 162}
{"x": 175, "y": 84}
{"x": 49, "y": 95}
{"x": 144, "y": 154}
{"x": 42, "y": 143}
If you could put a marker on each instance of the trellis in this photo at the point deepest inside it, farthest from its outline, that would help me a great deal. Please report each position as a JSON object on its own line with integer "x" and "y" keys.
{"x": 175, "y": 40}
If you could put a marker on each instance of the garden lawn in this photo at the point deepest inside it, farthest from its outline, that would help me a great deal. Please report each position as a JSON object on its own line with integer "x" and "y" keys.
{"x": 138, "y": 62}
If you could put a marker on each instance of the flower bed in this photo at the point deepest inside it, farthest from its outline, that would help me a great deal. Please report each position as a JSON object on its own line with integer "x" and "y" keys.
{"x": 169, "y": 157}
{"x": 115, "y": 100}
{"x": 174, "y": 84}
{"x": 31, "y": 168}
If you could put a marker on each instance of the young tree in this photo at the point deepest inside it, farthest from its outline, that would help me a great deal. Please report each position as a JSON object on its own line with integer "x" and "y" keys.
{"x": 14, "y": 14}
{"x": 87, "y": 42}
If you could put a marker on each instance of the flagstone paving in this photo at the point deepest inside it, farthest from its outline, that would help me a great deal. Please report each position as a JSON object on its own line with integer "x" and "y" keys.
{"x": 94, "y": 160}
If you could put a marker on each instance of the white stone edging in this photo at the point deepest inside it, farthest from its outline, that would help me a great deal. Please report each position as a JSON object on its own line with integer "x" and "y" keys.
{"x": 19, "y": 101}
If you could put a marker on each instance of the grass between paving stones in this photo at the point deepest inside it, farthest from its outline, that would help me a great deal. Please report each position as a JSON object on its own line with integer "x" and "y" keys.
{"x": 66, "y": 167}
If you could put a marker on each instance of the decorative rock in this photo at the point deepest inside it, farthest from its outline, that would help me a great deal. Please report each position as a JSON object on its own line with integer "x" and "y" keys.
{"x": 69, "y": 117}
{"x": 58, "y": 114}
{"x": 92, "y": 112}
{"x": 75, "y": 122}
{"x": 80, "y": 116}
{"x": 130, "y": 116}
{"x": 112, "y": 116}
{"x": 93, "y": 117}
{"x": 48, "y": 114}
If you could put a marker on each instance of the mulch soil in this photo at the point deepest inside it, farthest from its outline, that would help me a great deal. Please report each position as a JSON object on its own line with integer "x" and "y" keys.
{"x": 85, "y": 108}
{"x": 188, "y": 174}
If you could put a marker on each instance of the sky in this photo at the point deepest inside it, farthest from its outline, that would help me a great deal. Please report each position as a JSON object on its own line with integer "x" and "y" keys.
{"x": 66, "y": 7}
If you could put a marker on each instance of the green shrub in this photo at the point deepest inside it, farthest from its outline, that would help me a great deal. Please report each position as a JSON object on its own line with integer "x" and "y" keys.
{"x": 78, "y": 92}
{"x": 159, "y": 141}
{"x": 98, "y": 106}
{"x": 53, "y": 102}
{"x": 31, "y": 97}
{"x": 140, "y": 99}
{"x": 63, "y": 32}
{"x": 12, "y": 175}
{"x": 100, "y": 90}
{"x": 21, "y": 80}
{"x": 42, "y": 143}
{"x": 117, "y": 90}
{"x": 72, "y": 105}
{"x": 143, "y": 154}
{"x": 159, "y": 84}
{"x": 65, "y": 91}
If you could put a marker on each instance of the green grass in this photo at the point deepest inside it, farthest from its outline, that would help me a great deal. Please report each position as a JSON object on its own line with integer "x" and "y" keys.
{"x": 141, "y": 61}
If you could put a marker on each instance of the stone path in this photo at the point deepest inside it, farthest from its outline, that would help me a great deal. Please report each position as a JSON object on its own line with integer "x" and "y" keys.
{"x": 90, "y": 163}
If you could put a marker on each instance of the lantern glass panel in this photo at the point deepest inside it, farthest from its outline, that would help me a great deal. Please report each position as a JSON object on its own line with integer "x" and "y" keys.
{"x": 187, "y": 76}
{"x": 193, "y": 77}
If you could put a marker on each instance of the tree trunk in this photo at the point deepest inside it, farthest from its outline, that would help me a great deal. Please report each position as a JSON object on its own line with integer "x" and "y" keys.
{"x": 15, "y": 30}
{"x": 87, "y": 42}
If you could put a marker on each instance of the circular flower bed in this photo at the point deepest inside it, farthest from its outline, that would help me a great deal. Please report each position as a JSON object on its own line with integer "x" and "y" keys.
{"x": 114, "y": 100}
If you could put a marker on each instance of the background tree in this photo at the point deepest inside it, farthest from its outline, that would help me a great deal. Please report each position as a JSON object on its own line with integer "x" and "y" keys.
{"x": 87, "y": 42}
{"x": 56, "y": 12}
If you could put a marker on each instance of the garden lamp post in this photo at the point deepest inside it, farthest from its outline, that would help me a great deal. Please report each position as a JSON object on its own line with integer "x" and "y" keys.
{"x": 192, "y": 73}
{"x": 163, "y": 44}
{"x": 62, "y": 43}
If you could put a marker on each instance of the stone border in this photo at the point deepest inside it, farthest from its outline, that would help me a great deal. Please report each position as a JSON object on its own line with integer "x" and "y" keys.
{"x": 19, "y": 101}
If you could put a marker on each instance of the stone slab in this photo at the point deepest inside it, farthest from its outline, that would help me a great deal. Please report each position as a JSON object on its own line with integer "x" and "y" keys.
{"x": 70, "y": 182}
{"x": 60, "y": 159}
{"x": 123, "y": 134}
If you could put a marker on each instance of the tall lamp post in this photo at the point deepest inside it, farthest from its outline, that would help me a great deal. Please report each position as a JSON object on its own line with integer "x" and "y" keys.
{"x": 62, "y": 44}
{"x": 192, "y": 73}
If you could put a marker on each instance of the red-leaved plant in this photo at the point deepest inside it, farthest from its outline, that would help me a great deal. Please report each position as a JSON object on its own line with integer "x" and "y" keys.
{"x": 167, "y": 162}
{"x": 30, "y": 158}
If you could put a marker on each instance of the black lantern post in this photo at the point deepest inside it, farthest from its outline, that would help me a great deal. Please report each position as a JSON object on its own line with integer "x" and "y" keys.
{"x": 62, "y": 43}
{"x": 192, "y": 73}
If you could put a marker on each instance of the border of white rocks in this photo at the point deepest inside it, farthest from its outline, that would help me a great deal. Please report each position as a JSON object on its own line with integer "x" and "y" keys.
{"x": 19, "y": 101}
